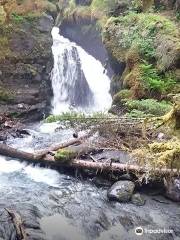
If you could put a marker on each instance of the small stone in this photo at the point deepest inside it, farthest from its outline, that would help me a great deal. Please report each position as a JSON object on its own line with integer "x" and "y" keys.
{"x": 138, "y": 200}
{"x": 121, "y": 191}
{"x": 9, "y": 124}
{"x": 160, "y": 136}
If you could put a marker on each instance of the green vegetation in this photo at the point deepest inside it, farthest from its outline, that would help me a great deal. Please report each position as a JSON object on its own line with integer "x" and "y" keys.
{"x": 65, "y": 117}
{"x": 124, "y": 94}
{"x": 64, "y": 155}
{"x": 149, "y": 45}
{"x": 121, "y": 95}
{"x": 154, "y": 81}
{"x": 16, "y": 18}
{"x": 141, "y": 29}
{"x": 104, "y": 6}
{"x": 77, "y": 117}
{"x": 5, "y": 96}
{"x": 148, "y": 106}
{"x": 138, "y": 114}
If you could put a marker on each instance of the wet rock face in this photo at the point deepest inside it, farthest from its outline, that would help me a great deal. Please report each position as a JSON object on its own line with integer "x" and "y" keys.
{"x": 79, "y": 92}
{"x": 25, "y": 71}
{"x": 84, "y": 33}
{"x": 121, "y": 191}
{"x": 29, "y": 216}
{"x": 173, "y": 189}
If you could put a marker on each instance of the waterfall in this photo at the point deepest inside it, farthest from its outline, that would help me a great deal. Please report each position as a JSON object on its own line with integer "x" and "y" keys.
{"x": 79, "y": 81}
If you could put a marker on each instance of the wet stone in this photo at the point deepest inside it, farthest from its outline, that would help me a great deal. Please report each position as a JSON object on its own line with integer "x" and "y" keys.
{"x": 121, "y": 191}
{"x": 138, "y": 200}
{"x": 173, "y": 189}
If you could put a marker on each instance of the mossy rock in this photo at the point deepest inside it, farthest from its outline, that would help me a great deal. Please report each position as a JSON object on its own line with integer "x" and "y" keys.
{"x": 5, "y": 95}
{"x": 22, "y": 8}
{"x": 144, "y": 38}
{"x": 121, "y": 95}
{"x": 167, "y": 51}
{"x": 64, "y": 155}
{"x": 115, "y": 84}
{"x": 167, "y": 154}
{"x": 164, "y": 154}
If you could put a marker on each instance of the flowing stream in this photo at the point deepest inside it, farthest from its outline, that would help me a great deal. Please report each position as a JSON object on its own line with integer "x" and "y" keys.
{"x": 55, "y": 205}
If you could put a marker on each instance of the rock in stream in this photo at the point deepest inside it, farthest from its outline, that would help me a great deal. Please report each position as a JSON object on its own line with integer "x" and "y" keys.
{"x": 121, "y": 191}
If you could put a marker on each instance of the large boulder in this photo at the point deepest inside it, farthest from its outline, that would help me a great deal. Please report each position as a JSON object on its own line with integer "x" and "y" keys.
{"x": 173, "y": 189}
{"x": 121, "y": 191}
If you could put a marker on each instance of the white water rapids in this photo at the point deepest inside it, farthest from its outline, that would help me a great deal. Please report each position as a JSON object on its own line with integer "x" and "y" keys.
{"x": 79, "y": 81}
{"x": 71, "y": 208}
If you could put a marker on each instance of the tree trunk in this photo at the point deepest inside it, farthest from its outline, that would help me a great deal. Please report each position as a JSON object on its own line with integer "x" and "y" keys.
{"x": 84, "y": 164}
{"x": 38, "y": 155}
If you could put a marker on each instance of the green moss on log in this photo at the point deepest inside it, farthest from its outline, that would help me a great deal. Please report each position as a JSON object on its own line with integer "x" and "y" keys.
{"x": 64, "y": 155}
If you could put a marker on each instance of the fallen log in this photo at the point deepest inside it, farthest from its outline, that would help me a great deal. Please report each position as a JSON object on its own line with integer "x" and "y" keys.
{"x": 85, "y": 164}
{"x": 119, "y": 167}
{"x": 38, "y": 155}
{"x": 41, "y": 153}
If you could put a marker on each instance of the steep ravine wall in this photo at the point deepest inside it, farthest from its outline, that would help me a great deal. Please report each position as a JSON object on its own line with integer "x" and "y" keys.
{"x": 26, "y": 58}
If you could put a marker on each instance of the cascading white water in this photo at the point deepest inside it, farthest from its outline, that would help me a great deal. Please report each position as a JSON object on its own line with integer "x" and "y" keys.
{"x": 79, "y": 81}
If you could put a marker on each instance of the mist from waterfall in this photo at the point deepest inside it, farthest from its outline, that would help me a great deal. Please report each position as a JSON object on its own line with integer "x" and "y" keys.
{"x": 79, "y": 81}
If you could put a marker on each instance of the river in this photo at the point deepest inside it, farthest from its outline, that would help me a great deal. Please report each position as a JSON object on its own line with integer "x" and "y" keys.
{"x": 59, "y": 205}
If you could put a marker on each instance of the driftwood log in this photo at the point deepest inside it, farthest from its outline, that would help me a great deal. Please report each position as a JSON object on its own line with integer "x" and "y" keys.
{"x": 37, "y": 155}
{"x": 18, "y": 224}
{"x": 45, "y": 156}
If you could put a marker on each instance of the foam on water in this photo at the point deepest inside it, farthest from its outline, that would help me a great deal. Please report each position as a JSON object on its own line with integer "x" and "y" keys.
{"x": 64, "y": 80}
{"x": 35, "y": 173}
{"x": 10, "y": 166}
{"x": 44, "y": 175}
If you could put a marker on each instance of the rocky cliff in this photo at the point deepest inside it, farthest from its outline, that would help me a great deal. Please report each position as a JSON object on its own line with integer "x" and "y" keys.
{"x": 25, "y": 57}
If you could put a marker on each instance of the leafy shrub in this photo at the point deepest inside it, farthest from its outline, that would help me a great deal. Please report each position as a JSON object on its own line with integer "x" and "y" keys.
{"x": 125, "y": 93}
{"x": 153, "y": 81}
{"x": 137, "y": 114}
{"x": 149, "y": 106}
{"x": 146, "y": 47}
{"x": 16, "y": 18}
{"x": 76, "y": 116}
{"x": 141, "y": 30}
